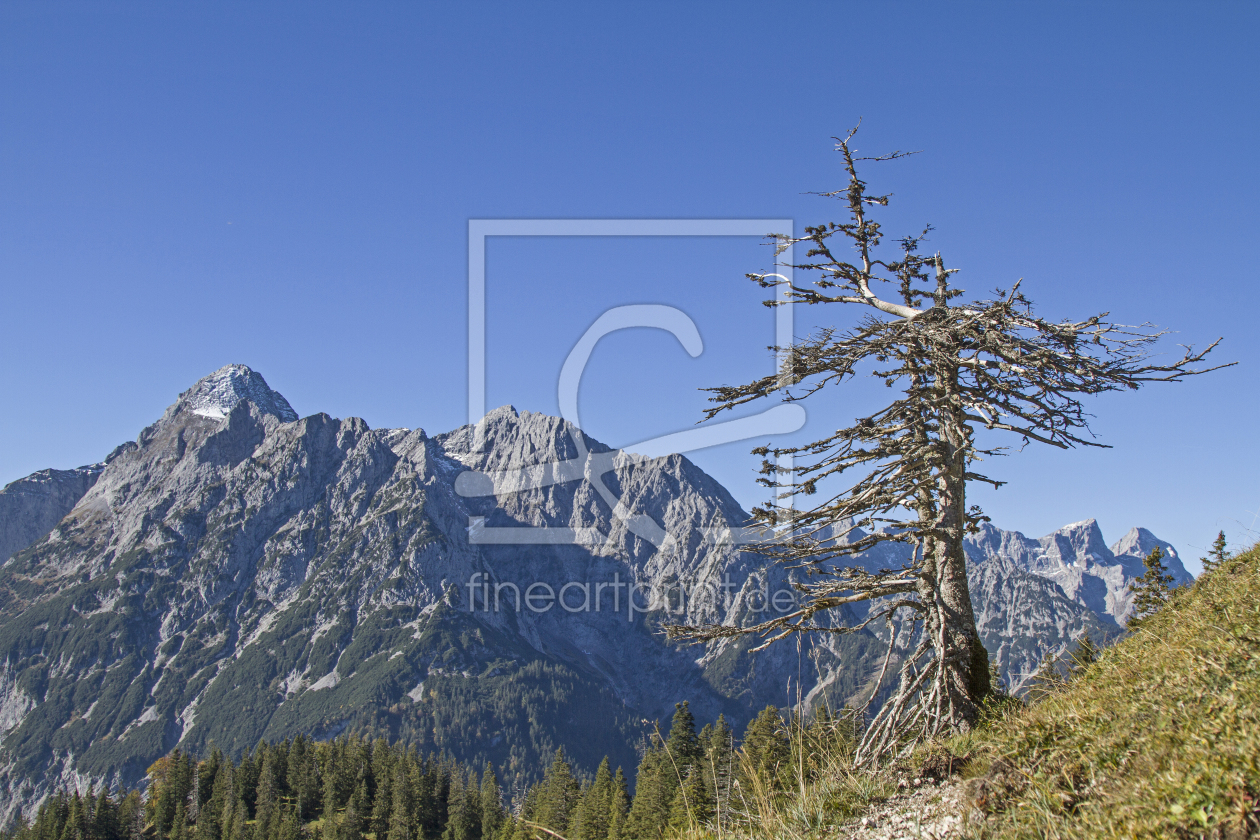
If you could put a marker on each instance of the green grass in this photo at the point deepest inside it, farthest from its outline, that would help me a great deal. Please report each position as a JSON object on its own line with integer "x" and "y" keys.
{"x": 1159, "y": 738}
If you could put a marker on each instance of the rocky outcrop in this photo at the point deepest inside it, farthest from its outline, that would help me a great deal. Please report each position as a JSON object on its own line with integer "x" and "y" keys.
{"x": 31, "y": 507}
{"x": 1079, "y": 562}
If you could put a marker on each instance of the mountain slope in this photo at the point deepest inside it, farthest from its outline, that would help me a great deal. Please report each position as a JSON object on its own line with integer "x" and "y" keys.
{"x": 240, "y": 574}
{"x": 1159, "y": 738}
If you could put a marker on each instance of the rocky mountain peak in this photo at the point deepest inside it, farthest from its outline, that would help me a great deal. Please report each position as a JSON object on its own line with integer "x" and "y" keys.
{"x": 512, "y": 440}
{"x": 217, "y": 394}
{"x": 1134, "y": 546}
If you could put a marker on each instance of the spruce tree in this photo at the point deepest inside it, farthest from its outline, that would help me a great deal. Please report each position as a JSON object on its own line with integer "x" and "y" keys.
{"x": 491, "y": 804}
{"x": 105, "y": 825}
{"x": 455, "y": 816}
{"x": 291, "y": 825}
{"x": 350, "y": 826}
{"x": 179, "y": 826}
{"x": 653, "y": 796}
{"x": 595, "y": 810}
{"x": 402, "y": 812}
{"x": 427, "y": 782}
{"x": 442, "y": 794}
{"x": 267, "y": 795}
{"x": 131, "y": 816}
{"x": 383, "y": 801}
{"x": 559, "y": 794}
{"x": 619, "y": 809}
{"x": 1086, "y": 654}
{"x": 692, "y": 806}
{"x": 529, "y": 806}
{"x": 207, "y": 775}
{"x": 683, "y": 746}
{"x": 76, "y": 821}
{"x": 1217, "y": 555}
{"x": 1151, "y": 590}
{"x": 247, "y": 774}
{"x": 361, "y": 802}
{"x": 301, "y": 791}
{"x": 766, "y": 749}
{"x": 720, "y": 765}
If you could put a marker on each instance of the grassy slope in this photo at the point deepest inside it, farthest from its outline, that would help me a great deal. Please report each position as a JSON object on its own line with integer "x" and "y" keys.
{"x": 1160, "y": 737}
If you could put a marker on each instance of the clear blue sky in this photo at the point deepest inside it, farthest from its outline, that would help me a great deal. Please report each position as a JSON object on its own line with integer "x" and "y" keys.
{"x": 289, "y": 185}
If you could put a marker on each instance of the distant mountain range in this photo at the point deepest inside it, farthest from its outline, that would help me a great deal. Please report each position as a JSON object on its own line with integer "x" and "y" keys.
{"x": 239, "y": 573}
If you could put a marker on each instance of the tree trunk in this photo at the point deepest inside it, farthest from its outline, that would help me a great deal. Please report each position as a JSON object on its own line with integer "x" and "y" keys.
{"x": 962, "y": 660}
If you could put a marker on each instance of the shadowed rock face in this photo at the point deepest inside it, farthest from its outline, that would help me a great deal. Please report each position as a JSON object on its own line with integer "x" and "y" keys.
{"x": 31, "y": 507}
{"x": 240, "y": 574}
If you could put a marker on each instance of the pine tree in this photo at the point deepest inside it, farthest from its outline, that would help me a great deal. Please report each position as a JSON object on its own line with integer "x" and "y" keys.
{"x": 692, "y": 805}
{"x": 595, "y": 809}
{"x": 1217, "y": 555}
{"x": 720, "y": 765}
{"x": 1086, "y": 654}
{"x": 1151, "y": 590}
{"x": 619, "y": 809}
{"x": 559, "y": 795}
{"x": 105, "y": 825}
{"x": 491, "y": 804}
{"x": 402, "y": 812}
{"x": 766, "y": 750}
{"x": 653, "y": 796}
{"x": 682, "y": 745}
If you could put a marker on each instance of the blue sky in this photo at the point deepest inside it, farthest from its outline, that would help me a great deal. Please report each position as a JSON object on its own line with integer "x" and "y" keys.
{"x": 289, "y": 186}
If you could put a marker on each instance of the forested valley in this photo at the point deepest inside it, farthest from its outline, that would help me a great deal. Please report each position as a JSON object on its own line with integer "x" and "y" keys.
{"x": 355, "y": 787}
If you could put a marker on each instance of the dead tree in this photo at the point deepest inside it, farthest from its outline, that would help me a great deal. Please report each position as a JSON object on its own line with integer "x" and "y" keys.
{"x": 957, "y": 367}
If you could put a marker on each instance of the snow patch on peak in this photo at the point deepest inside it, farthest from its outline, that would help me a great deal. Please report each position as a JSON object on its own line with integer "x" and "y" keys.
{"x": 217, "y": 394}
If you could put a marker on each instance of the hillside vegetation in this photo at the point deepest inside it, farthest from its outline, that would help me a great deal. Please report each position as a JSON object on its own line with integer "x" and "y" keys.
{"x": 1158, "y": 737}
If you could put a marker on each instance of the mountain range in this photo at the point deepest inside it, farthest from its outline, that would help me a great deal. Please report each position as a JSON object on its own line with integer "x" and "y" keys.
{"x": 240, "y": 573}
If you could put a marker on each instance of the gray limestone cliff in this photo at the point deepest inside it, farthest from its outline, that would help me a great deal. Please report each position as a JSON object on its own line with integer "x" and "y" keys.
{"x": 241, "y": 573}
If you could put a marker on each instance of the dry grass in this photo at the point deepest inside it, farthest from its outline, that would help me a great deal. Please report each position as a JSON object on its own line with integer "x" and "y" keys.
{"x": 815, "y": 791}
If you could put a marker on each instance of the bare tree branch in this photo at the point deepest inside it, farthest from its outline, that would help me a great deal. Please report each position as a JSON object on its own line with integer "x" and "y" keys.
{"x": 956, "y": 366}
